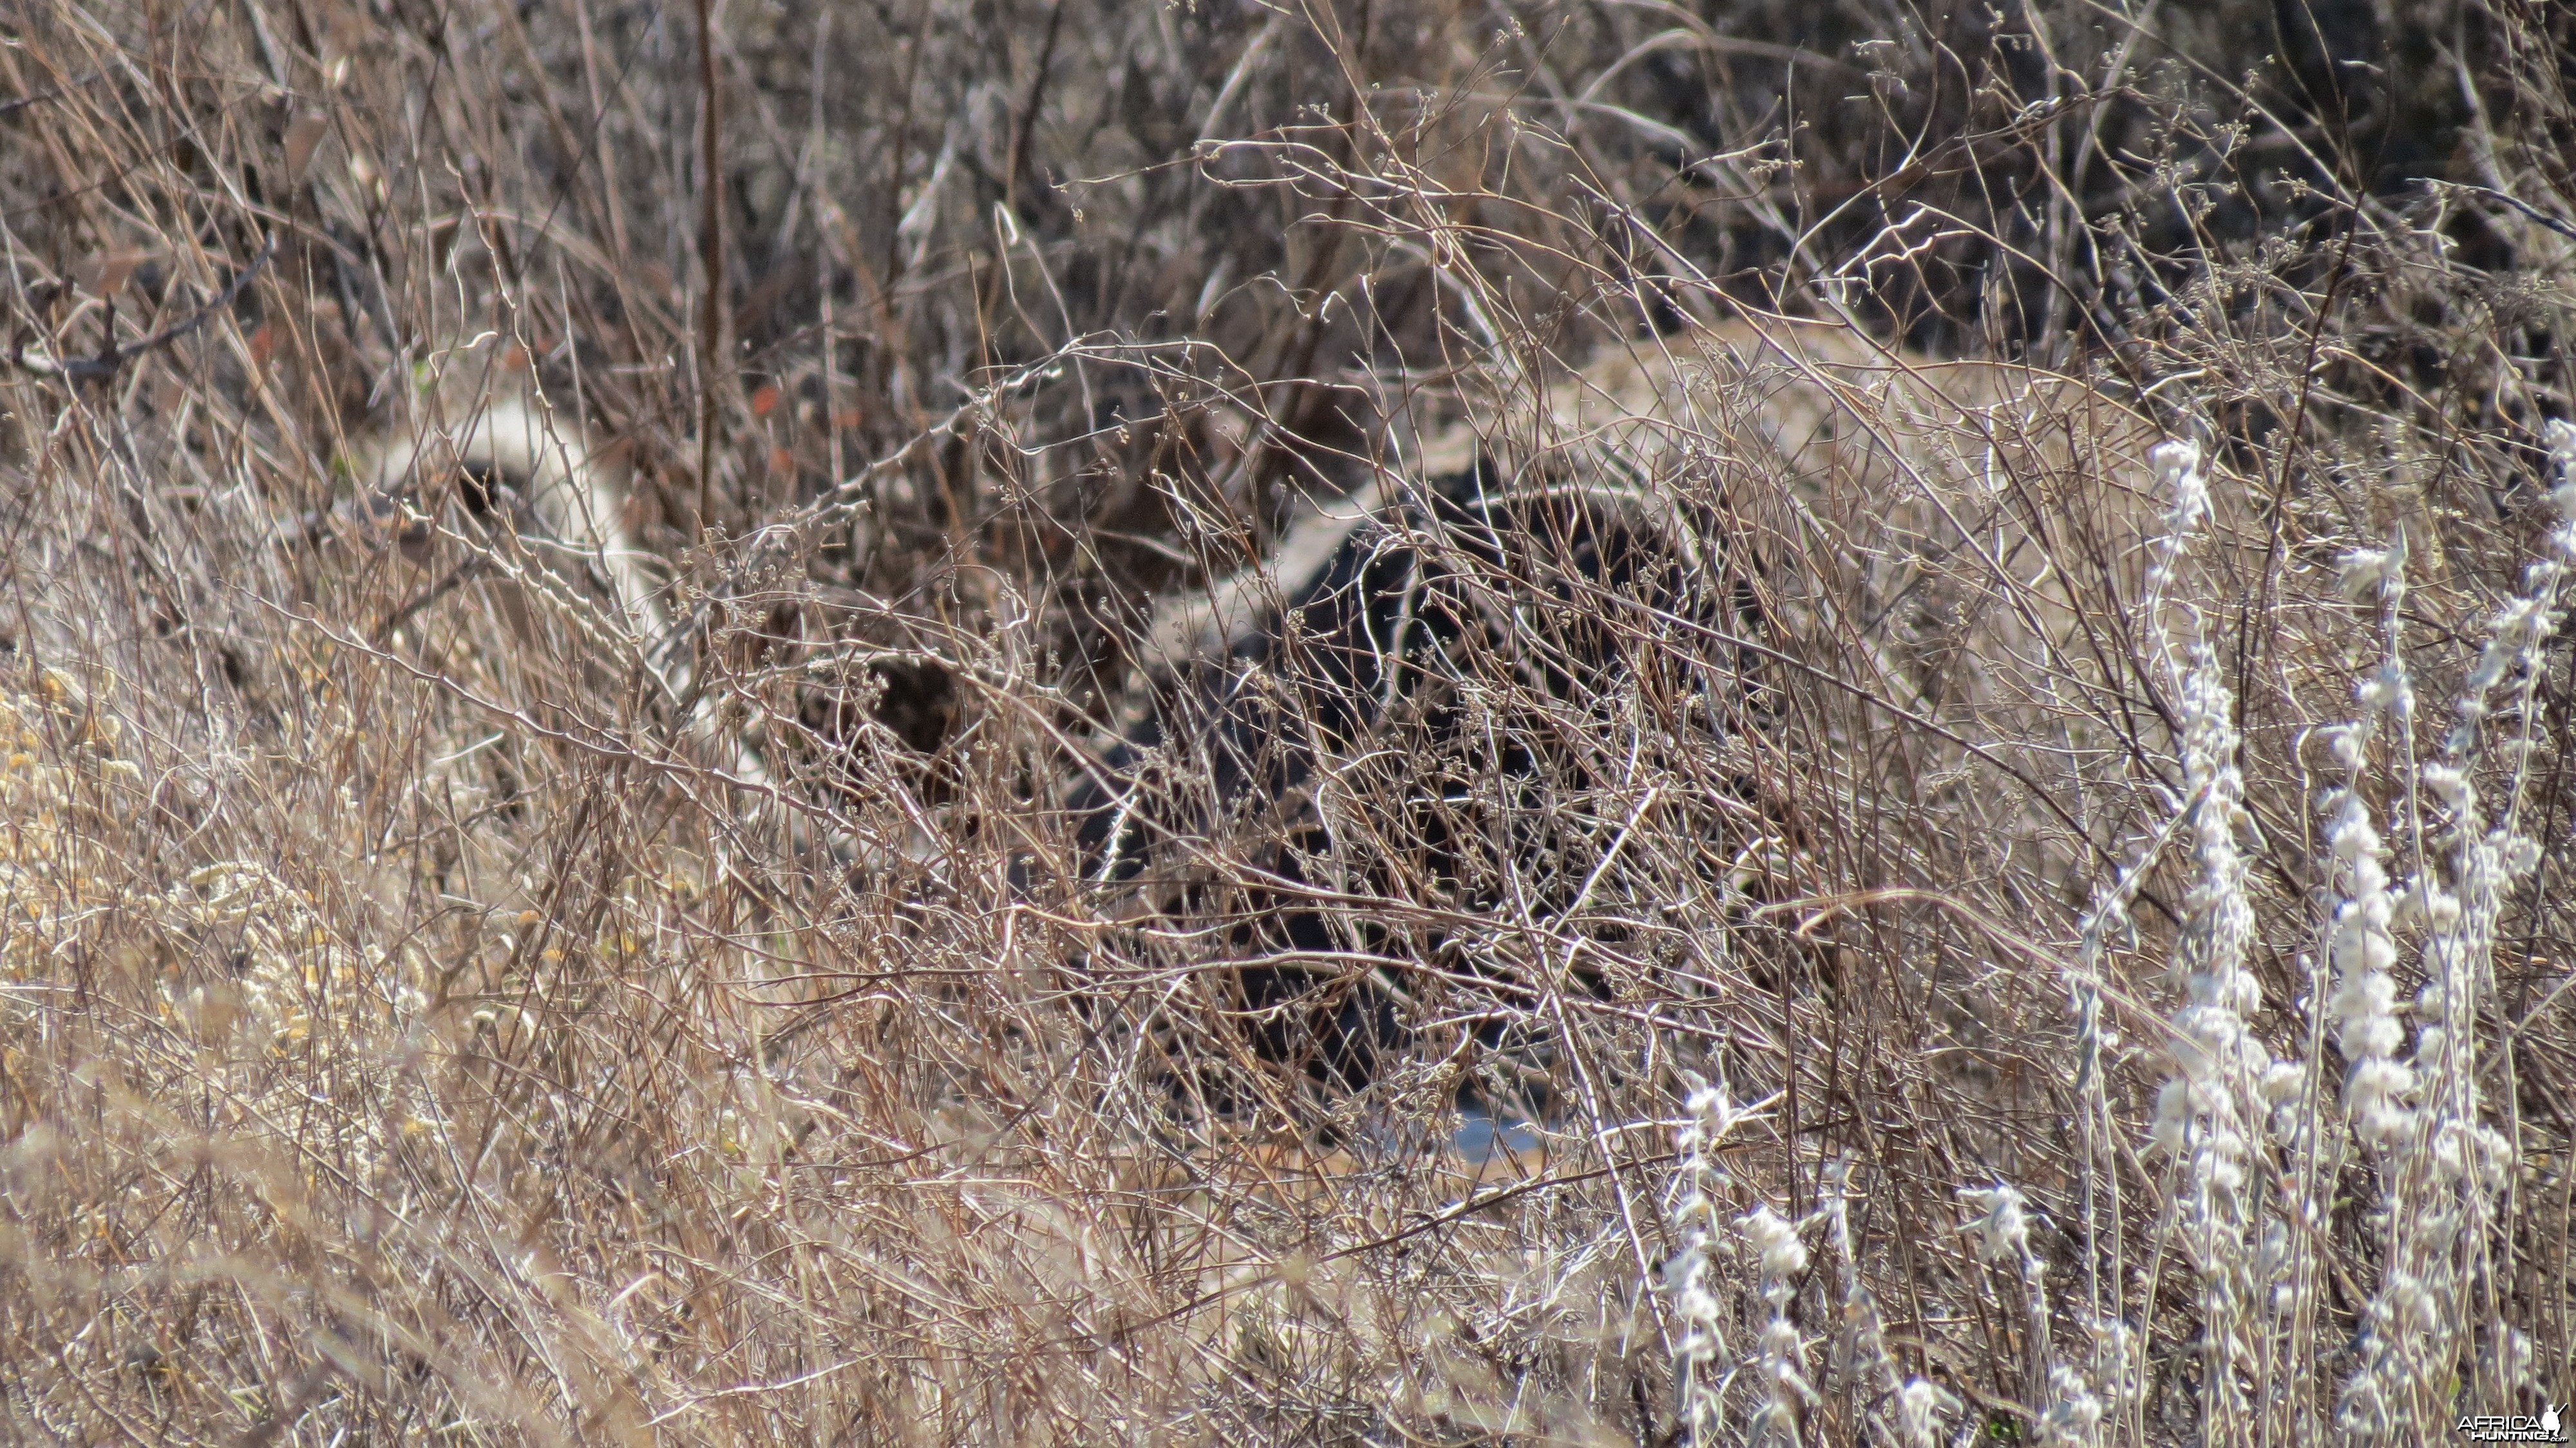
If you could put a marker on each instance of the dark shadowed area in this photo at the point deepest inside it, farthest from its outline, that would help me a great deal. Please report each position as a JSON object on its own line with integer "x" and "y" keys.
{"x": 1354, "y": 722}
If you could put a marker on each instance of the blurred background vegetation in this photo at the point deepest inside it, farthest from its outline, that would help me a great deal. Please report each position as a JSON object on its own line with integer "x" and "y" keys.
{"x": 407, "y": 1036}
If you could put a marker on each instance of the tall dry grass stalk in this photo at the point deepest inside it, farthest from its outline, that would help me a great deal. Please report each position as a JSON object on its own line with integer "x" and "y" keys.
{"x": 1980, "y": 856}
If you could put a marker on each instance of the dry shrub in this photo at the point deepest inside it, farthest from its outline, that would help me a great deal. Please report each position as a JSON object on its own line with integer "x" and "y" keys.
{"x": 1946, "y": 950}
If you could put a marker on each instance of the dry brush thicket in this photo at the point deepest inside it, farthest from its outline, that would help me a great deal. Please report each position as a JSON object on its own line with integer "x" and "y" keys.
{"x": 1948, "y": 721}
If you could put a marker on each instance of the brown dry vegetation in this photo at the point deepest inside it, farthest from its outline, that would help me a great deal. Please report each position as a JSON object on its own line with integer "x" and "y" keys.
{"x": 422, "y": 1019}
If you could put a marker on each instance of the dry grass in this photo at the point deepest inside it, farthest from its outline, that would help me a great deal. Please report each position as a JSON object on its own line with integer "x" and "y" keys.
{"x": 448, "y": 999}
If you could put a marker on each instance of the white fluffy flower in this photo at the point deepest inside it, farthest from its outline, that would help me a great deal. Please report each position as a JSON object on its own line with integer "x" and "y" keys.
{"x": 2004, "y": 1226}
{"x": 1919, "y": 1407}
{"x": 2178, "y": 471}
{"x": 2561, "y": 436}
{"x": 2075, "y": 1417}
{"x": 2366, "y": 571}
{"x": 1775, "y": 1240}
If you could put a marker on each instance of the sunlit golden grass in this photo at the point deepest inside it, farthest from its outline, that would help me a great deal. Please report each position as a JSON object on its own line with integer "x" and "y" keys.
{"x": 1938, "y": 890}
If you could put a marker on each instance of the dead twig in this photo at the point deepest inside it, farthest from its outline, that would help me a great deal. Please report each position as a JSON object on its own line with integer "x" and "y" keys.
{"x": 107, "y": 363}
